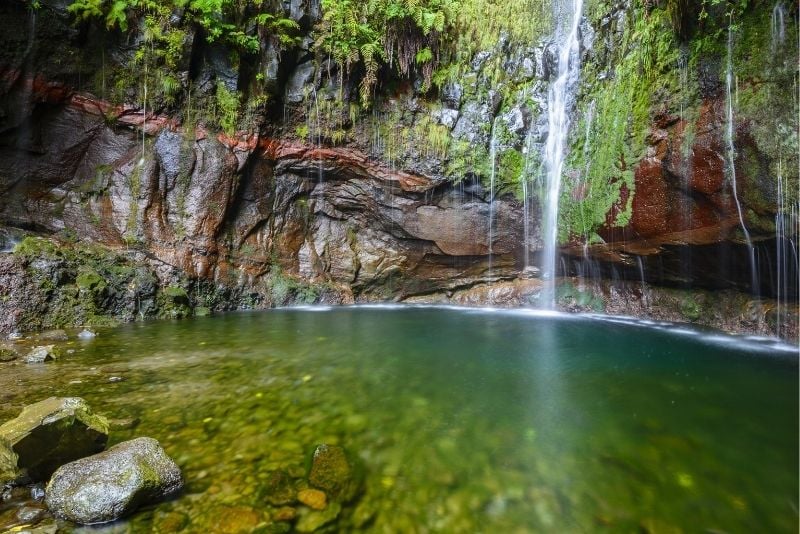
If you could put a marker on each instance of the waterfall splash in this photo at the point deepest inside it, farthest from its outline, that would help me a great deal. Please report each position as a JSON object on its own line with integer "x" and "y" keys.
{"x": 730, "y": 154}
{"x": 558, "y": 98}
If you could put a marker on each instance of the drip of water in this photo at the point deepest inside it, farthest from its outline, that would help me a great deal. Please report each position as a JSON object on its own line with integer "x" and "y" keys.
{"x": 558, "y": 98}
{"x": 778, "y": 26}
{"x": 780, "y": 263}
{"x": 731, "y": 157}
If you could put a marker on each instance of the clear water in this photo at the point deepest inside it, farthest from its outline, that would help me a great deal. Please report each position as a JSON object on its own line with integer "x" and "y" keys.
{"x": 463, "y": 421}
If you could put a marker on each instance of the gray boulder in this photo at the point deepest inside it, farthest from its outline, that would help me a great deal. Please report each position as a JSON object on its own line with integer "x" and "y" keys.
{"x": 48, "y": 434}
{"x": 109, "y": 485}
{"x": 41, "y": 354}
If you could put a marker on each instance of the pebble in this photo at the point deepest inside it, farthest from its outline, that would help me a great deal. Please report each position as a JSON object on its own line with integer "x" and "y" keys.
{"x": 313, "y": 498}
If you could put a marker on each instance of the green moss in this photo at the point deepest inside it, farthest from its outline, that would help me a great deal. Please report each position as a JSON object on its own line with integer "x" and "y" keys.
{"x": 35, "y": 247}
{"x": 690, "y": 309}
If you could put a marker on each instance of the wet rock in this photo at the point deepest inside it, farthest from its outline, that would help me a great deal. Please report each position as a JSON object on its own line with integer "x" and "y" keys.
{"x": 331, "y": 471}
{"x": 53, "y": 335}
{"x": 30, "y": 514}
{"x": 312, "y": 498}
{"x": 87, "y": 334}
{"x": 14, "y": 336}
{"x": 48, "y": 434}
{"x": 300, "y": 78}
{"x": 7, "y": 354}
{"x": 530, "y": 272}
{"x": 279, "y": 489}
{"x": 109, "y": 485}
{"x": 42, "y": 354}
{"x": 312, "y": 520}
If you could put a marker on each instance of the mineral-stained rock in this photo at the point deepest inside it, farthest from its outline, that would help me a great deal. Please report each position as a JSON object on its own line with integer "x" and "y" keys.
{"x": 50, "y": 433}
{"x": 109, "y": 485}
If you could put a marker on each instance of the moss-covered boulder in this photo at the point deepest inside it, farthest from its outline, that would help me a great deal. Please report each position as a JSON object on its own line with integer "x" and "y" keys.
{"x": 48, "y": 434}
{"x": 109, "y": 485}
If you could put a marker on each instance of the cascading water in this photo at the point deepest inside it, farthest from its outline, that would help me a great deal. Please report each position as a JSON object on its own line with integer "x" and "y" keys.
{"x": 558, "y": 99}
{"x": 731, "y": 158}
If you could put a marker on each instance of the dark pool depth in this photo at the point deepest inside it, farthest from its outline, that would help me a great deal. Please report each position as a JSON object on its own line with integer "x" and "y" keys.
{"x": 462, "y": 421}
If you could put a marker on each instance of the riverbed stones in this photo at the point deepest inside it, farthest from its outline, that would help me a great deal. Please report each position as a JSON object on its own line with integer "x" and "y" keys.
{"x": 109, "y": 485}
{"x": 48, "y": 434}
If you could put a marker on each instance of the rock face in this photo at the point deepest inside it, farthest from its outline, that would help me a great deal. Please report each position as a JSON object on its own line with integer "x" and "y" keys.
{"x": 109, "y": 485}
{"x": 48, "y": 434}
{"x": 355, "y": 211}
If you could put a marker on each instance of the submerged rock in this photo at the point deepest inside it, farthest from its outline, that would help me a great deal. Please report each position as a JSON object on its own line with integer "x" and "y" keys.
{"x": 279, "y": 488}
{"x": 53, "y": 335}
{"x": 311, "y": 520}
{"x": 331, "y": 471}
{"x": 109, "y": 485}
{"x": 41, "y": 354}
{"x": 48, "y": 434}
{"x": 313, "y": 498}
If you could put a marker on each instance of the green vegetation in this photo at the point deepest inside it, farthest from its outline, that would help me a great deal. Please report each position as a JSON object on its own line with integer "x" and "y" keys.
{"x": 616, "y": 116}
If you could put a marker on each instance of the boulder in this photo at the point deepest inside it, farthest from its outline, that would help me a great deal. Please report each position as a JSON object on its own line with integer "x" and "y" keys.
{"x": 41, "y": 354}
{"x": 109, "y": 485}
{"x": 7, "y": 354}
{"x": 48, "y": 434}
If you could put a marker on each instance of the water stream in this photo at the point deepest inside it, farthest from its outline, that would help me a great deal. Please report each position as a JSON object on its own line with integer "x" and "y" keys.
{"x": 730, "y": 154}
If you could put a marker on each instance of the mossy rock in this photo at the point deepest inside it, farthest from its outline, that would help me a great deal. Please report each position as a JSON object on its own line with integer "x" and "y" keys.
{"x": 332, "y": 471}
{"x": 52, "y": 432}
{"x": 89, "y": 280}
{"x": 690, "y": 309}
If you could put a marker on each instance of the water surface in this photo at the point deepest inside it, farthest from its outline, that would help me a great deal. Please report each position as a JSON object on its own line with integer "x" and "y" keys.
{"x": 461, "y": 421}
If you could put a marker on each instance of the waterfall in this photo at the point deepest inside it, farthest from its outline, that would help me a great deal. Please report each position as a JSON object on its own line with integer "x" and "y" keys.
{"x": 731, "y": 157}
{"x": 558, "y": 97}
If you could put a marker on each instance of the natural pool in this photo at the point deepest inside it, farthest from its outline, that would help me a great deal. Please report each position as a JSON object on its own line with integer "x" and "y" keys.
{"x": 458, "y": 420}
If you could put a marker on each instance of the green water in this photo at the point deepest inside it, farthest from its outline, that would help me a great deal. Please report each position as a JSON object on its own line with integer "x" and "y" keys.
{"x": 461, "y": 421}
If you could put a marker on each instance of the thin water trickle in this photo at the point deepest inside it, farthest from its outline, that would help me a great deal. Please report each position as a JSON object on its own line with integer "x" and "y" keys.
{"x": 778, "y": 26}
{"x": 731, "y": 158}
{"x": 558, "y": 100}
{"x": 492, "y": 177}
